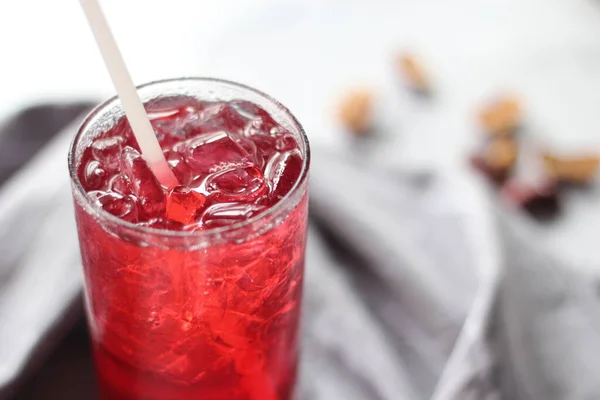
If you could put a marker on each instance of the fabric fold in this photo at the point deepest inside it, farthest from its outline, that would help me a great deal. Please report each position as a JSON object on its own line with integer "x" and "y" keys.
{"x": 40, "y": 274}
{"x": 396, "y": 304}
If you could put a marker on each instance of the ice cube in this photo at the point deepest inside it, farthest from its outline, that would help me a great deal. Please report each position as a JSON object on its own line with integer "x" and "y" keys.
{"x": 183, "y": 351}
{"x": 281, "y": 290}
{"x": 282, "y": 172}
{"x": 261, "y": 120}
{"x": 164, "y": 223}
{"x": 144, "y": 184}
{"x": 180, "y": 168}
{"x": 173, "y": 108}
{"x": 170, "y": 116}
{"x": 235, "y": 328}
{"x": 236, "y": 184}
{"x": 120, "y": 206}
{"x": 266, "y": 147}
{"x": 250, "y": 148}
{"x": 249, "y": 361}
{"x": 212, "y": 152}
{"x": 285, "y": 141}
{"x": 108, "y": 151}
{"x": 95, "y": 176}
{"x": 184, "y": 205}
{"x": 249, "y": 109}
{"x": 223, "y": 214}
{"x": 179, "y": 356}
{"x": 123, "y": 130}
{"x": 218, "y": 117}
{"x": 253, "y": 280}
{"x": 120, "y": 184}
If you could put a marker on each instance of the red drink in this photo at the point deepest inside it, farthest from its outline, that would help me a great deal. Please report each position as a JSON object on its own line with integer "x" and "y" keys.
{"x": 194, "y": 292}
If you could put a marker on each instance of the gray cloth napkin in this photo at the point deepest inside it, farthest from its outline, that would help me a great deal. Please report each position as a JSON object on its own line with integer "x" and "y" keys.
{"x": 40, "y": 275}
{"x": 395, "y": 307}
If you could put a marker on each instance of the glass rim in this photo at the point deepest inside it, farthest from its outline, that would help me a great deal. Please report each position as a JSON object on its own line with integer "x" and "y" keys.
{"x": 93, "y": 208}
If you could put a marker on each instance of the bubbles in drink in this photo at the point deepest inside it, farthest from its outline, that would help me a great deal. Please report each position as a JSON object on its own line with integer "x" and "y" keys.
{"x": 232, "y": 159}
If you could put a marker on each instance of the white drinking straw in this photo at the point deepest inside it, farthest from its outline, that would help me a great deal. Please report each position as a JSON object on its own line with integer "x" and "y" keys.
{"x": 134, "y": 109}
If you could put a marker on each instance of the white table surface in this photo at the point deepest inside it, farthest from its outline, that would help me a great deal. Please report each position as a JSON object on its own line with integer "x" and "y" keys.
{"x": 307, "y": 52}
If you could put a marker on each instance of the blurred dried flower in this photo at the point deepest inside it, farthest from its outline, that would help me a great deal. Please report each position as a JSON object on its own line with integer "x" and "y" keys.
{"x": 578, "y": 170}
{"x": 501, "y": 153}
{"x": 498, "y": 158}
{"x": 503, "y": 116}
{"x": 541, "y": 201}
{"x": 356, "y": 111}
{"x": 414, "y": 73}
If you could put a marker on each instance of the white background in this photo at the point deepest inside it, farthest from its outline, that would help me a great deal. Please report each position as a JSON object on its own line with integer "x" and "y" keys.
{"x": 48, "y": 53}
{"x": 306, "y": 53}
